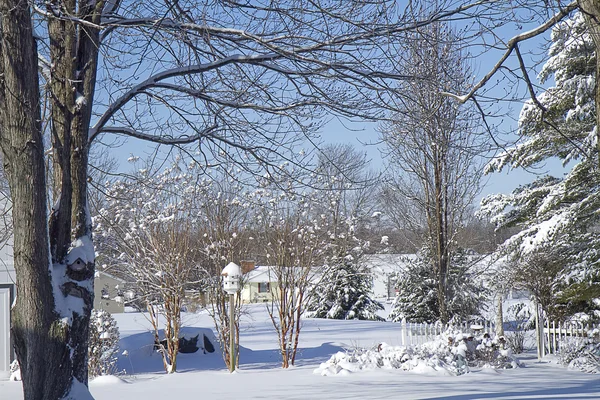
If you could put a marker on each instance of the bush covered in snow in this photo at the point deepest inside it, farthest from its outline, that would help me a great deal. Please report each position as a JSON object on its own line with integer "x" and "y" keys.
{"x": 103, "y": 344}
{"x": 518, "y": 320}
{"x": 452, "y": 353}
{"x": 580, "y": 353}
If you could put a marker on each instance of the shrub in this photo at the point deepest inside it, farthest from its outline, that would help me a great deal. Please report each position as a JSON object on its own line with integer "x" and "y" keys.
{"x": 103, "y": 344}
{"x": 517, "y": 322}
{"x": 580, "y": 353}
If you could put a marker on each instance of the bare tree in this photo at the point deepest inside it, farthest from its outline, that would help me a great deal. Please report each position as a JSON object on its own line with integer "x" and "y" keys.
{"x": 224, "y": 236}
{"x": 147, "y": 232}
{"x": 433, "y": 146}
{"x": 294, "y": 244}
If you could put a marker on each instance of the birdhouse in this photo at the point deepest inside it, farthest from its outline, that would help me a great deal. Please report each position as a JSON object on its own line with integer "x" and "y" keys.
{"x": 77, "y": 265}
{"x": 232, "y": 274}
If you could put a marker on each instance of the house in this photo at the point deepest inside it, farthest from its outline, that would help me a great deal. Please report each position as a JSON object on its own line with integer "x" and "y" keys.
{"x": 109, "y": 292}
{"x": 7, "y": 296}
{"x": 383, "y": 267}
{"x": 258, "y": 285}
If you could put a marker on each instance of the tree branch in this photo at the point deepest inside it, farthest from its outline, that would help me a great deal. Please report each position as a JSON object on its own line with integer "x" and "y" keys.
{"x": 511, "y": 45}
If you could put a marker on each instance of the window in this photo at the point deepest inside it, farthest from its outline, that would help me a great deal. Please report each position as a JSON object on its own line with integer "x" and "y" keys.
{"x": 263, "y": 287}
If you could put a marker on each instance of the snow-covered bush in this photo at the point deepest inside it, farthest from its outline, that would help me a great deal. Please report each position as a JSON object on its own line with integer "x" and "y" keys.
{"x": 580, "y": 353}
{"x": 517, "y": 322}
{"x": 452, "y": 353}
{"x": 103, "y": 344}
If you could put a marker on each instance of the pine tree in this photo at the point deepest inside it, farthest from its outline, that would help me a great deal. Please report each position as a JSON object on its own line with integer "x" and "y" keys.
{"x": 558, "y": 213}
{"x": 344, "y": 293}
{"x": 417, "y": 299}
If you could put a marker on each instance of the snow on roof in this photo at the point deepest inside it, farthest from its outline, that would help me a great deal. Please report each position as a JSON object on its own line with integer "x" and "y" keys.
{"x": 83, "y": 249}
{"x": 231, "y": 269}
{"x": 266, "y": 273}
{"x": 260, "y": 274}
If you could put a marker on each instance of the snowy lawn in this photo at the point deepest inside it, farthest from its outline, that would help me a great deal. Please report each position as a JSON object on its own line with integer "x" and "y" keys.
{"x": 260, "y": 376}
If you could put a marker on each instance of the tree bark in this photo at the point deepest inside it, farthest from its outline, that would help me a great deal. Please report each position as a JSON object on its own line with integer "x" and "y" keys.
{"x": 39, "y": 337}
{"x": 50, "y": 334}
{"x": 591, "y": 13}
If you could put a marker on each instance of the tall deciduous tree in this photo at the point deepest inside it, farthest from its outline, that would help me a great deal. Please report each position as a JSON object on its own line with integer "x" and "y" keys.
{"x": 433, "y": 146}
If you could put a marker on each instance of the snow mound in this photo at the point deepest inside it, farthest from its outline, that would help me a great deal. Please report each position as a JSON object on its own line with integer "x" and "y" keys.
{"x": 451, "y": 354}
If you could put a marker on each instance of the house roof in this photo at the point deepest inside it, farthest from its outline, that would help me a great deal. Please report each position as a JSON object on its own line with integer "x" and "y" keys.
{"x": 99, "y": 273}
{"x": 385, "y": 264}
{"x": 260, "y": 274}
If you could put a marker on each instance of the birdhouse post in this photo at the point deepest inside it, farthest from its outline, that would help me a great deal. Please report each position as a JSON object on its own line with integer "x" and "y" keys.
{"x": 231, "y": 284}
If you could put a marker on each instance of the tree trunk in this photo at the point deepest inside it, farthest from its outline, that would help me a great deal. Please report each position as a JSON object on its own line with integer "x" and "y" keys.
{"x": 39, "y": 336}
{"x": 499, "y": 315}
{"x": 50, "y": 320}
{"x": 591, "y": 12}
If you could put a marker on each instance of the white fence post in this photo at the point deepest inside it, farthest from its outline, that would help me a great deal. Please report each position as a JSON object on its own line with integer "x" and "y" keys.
{"x": 403, "y": 331}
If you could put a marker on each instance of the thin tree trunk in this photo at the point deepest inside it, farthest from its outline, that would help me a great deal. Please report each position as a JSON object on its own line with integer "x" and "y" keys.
{"x": 499, "y": 315}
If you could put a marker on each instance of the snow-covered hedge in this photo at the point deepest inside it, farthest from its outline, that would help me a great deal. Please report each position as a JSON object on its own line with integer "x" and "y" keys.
{"x": 580, "y": 353}
{"x": 452, "y": 353}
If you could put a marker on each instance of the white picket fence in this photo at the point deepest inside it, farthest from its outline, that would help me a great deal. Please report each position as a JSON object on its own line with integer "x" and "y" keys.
{"x": 556, "y": 332}
{"x": 415, "y": 333}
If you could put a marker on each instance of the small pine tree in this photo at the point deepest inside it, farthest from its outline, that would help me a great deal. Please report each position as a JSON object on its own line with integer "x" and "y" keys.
{"x": 344, "y": 293}
{"x": 417, "y": 297}
{"x": 103, "y": 344}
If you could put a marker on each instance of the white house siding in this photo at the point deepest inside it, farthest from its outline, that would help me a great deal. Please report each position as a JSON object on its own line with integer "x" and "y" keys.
{"x": 7, "y": 293}
{"x": 109, "y": 293}
{"x": 261, "y": 274}
{"x": 383, "y": 266}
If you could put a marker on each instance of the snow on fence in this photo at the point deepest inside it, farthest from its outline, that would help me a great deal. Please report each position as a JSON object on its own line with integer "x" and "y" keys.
{"x": 415, "y": 333}
{"x": 555, "y": 332}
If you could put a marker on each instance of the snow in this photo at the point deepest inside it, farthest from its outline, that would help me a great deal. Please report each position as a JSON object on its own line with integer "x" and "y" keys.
{"x": 82, "y": 248}
{"x": 261, "y": 377}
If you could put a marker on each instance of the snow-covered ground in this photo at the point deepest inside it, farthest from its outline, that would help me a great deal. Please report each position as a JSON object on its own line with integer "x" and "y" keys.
{"x": 260, "y": 376}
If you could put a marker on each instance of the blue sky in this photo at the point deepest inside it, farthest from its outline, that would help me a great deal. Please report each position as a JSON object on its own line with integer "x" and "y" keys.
{"x": 364, "y": 136}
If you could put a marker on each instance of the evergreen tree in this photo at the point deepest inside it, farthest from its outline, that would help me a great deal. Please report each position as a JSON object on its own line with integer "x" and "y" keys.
{"x": 344, "y": 293}
{"x": 417, "y": 299}
{"x": 558, "y": 213}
